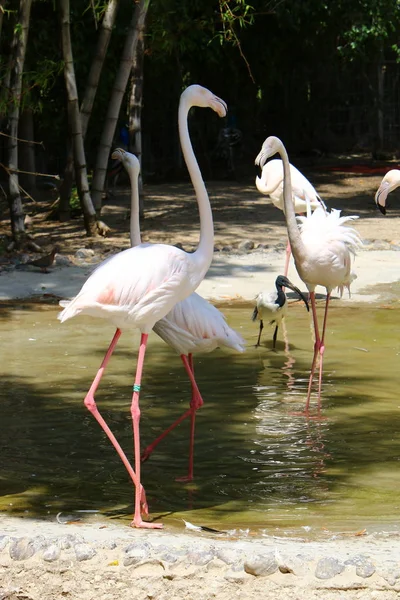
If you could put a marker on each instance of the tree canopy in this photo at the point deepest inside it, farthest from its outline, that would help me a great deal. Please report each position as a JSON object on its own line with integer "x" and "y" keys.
{"x": 319, "y": 74}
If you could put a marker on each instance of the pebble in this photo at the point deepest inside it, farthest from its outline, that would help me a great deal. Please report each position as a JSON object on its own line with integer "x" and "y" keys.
{"x": 51, "y": 553}
{"x": 84, "y": 552}
{"x": 364, "y": 566}
{"x": 328, "y": 568}
{"x": 261, "y": 565}
{"x": 22, "y": 548}
{"x": 246, "y": 245}
{"x": 135, "y": 553}
{"x": 84, "y": 253}
{"x": 62, "y": 261}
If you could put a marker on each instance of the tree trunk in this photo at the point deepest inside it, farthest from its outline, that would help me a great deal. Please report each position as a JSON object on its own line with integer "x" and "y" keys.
{"x": 135, "y": 112}
{"x": 64, "y": 209}
{"x": 74, "y": 122}
{"x": 121, "y": 80}
{"x": 18, "y": 51}
{"x": 103, "y": 41}
{"x": 27, "y": 160}
{"x": 2, "y": 7}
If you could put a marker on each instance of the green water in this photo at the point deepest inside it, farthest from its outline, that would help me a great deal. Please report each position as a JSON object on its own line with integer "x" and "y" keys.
{"x": 257, "y": 465}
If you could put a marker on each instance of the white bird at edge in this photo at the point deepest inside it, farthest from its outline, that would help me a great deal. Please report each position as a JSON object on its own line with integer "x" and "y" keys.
{"x": 303, "y": 192}
{"x": 274, "y": 306}
{"x": 192, "y": 325}
{"x": 322, "y": 248}
{"x": 389, "y": 183}
{"x": 139, "y": 286}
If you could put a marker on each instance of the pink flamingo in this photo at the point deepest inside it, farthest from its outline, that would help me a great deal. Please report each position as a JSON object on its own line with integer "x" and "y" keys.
{"x": 193, "y": 325}
{"x": 322, "y": 249}
{"x": 303, "y": 192}
{"x": 390, "y": 182}
{"x": 139, "y": 286}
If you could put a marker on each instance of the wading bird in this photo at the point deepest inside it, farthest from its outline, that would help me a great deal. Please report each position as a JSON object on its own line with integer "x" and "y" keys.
{"x": 322, "y": 248}
{"x": 139, "y": 286}
{"x": 389, "y": 183}
{"x": 274, "y": 306}
{"x": 193, "y": 325}
{"x": 303, "y": 192}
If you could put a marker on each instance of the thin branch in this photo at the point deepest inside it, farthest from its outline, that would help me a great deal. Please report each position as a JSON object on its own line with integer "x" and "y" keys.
{"x": 22, "y": 140}
{"x": 8, "y": 170}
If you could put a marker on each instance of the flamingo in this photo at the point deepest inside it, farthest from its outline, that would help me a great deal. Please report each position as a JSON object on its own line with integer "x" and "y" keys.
{"x": 303, "y": 192}
{"x": 139, "y": 286}
{"x": 192, "y": 325}
{"x": 389, "y": 183}
{"x": 274, "y": 305}
{"x": 323, "y": 248}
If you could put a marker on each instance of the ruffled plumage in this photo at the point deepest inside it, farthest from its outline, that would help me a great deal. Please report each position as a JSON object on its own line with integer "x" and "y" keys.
{"x": 331, "y": 245}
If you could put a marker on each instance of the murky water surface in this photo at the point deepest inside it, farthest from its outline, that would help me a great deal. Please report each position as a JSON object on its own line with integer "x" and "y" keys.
{"x": 257, "y": 465}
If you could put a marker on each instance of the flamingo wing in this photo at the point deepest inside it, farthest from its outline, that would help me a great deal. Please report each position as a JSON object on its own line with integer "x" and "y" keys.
{"x": 138, "y": 285}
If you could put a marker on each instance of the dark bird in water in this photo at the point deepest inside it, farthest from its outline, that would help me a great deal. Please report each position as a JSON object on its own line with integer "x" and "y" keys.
{"x": 274, "y": 305}
{"x": 44, "y": 261}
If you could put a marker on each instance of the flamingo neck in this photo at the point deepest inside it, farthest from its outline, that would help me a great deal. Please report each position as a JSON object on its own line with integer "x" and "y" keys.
{"x": 202, "y": 257}
{"x": 296, "y": 243}
{"x": 134, "y": 222}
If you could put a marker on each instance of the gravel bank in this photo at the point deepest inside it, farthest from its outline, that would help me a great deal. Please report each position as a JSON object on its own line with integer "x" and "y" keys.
{"x": 43, "y": 559}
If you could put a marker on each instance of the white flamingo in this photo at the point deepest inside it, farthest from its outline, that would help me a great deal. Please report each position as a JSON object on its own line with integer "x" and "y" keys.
{"x": 389, "y": 183}
{"x": 193, "y": 325}
{"x": 274, "y": 306}
{"x": 303, "y": 192}
{"x": 322, "y": 248}
{"x": 139, "y": 286}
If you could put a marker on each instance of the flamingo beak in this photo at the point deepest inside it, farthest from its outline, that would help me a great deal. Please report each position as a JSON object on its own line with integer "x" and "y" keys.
{"x": 219, "y": 106}
{"x": 381, "y": 195}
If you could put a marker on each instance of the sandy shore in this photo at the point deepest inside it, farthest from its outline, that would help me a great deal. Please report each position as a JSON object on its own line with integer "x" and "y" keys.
{"x": 232, "y": 276}
{"x": 48, "y": 560}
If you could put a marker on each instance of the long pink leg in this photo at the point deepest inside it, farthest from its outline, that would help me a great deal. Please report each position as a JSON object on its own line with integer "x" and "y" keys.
{"x": 322, "y": 350}
{"x": 90, "y": 404}
{"x": 317, "y": 345}
{"x": 195, "y": 403}
{"x": 135, "y": 412}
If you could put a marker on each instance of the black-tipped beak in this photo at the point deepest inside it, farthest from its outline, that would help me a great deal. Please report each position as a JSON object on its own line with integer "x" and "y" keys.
{"x": 381, "y": 208}
{"x": 298, "y": 292}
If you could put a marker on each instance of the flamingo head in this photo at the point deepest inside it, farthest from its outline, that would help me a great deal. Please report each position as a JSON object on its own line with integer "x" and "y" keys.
{"x": 389, "y": 183}
{"x": 270, "y": 146}
{"x": 197, "y": 95}
{"x": 129, "y": 161}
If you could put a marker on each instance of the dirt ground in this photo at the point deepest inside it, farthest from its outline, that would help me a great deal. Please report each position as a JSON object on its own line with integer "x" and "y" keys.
{"x": 240, "y": 212}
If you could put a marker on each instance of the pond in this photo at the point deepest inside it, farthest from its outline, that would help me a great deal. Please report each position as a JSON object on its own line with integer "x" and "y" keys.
{"x": 258, "y": 465}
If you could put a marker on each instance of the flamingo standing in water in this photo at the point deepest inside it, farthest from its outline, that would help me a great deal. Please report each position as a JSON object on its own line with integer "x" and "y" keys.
{"x": 389, "y": 183}
{"x": 192, "y": 325}
{"x": 322, "y": 248}
{"x": 139, "y": 286}
{"x": 303, "y": 192}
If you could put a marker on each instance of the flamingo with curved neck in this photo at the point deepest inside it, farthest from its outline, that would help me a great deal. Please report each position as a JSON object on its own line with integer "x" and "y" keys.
{"x": 303, "y": 192}
{"x": 139, "y": 286}
{"x": 193, "y": 325}
{"x": 322, "y": 248}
